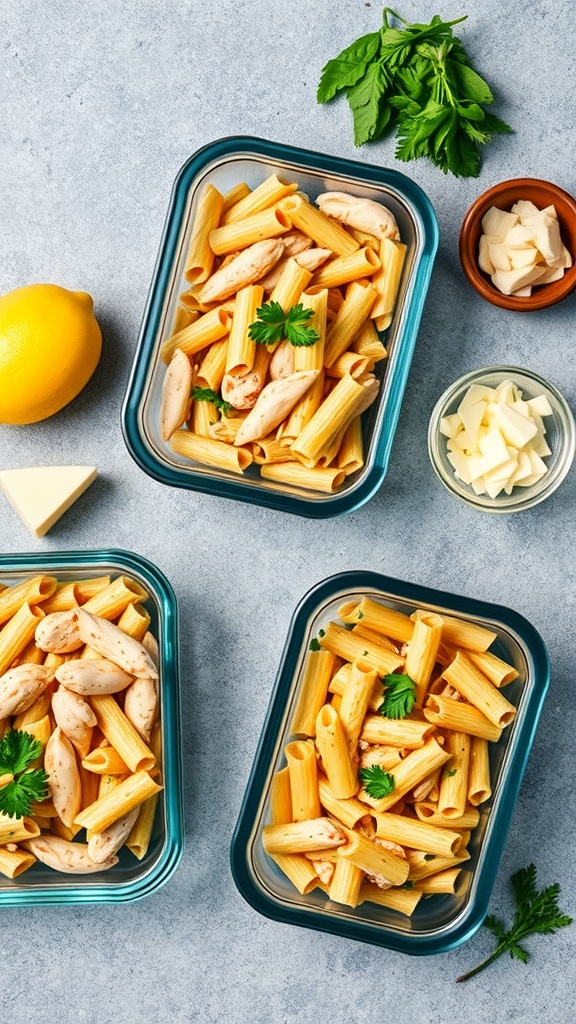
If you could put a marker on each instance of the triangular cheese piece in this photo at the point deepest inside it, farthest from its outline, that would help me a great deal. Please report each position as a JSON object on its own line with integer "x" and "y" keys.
{"x": 42, "y": 494}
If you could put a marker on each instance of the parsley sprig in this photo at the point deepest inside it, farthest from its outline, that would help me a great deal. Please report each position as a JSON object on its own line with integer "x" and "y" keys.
{"x": 208, "y": 395}
{"x": 18, "y": 750}
{"x": 399, "y": 696}
{"x": 376, "y": 781}
{"x": 536, "y": 912}
{"x": 418, "y": 80}
{"x": 273, "y": 325}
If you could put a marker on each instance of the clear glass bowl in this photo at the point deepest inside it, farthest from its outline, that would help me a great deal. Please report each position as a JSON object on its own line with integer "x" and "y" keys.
{"x": 130, "y": 879}
{"x": 560, "y": 435}
{"x": 441, "y": 922}
{"x": 226, "y": 163}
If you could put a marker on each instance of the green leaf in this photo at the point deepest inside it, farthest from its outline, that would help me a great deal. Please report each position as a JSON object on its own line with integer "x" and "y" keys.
{"x": 377, "y": 782}
{"x": 17, "y": 750}
{"x": 208, "y": 395}
{"x": 495, "y": 124}
{"x": 399, "y": 696}
{"x": 472, "y": 86}
{"x": 364, "y": 99}
{"x": 314, "y": 645}
{"x": 273, "y": 324}
{"x": 348, "y": 67}
{"x": 471, "y": 111}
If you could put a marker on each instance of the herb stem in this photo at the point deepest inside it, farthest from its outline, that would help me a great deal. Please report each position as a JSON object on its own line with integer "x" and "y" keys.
{"x": 485, "y": 963}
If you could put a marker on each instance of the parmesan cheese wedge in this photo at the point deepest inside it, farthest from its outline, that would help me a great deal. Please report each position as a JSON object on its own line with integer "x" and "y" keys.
{"x": 42, "y": 494}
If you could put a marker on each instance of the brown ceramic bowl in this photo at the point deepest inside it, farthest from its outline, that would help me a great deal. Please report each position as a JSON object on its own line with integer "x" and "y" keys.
{"x": 504, "y": 195}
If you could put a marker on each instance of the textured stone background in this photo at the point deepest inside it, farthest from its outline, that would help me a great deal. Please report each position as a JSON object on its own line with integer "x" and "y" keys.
{"x": 101, "y": 104}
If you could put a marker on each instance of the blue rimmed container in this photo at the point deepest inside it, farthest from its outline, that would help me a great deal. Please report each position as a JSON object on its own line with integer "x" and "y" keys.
{"x": 224, "y": 164}
{"x": 130, "y": 879}
{"x": 441, "y": 922}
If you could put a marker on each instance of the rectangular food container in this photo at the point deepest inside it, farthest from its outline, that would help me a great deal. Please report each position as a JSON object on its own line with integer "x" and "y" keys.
{"x": 130, "y": 879}
{"x": 224, "y": 164}
{"x": 440, "y": 922}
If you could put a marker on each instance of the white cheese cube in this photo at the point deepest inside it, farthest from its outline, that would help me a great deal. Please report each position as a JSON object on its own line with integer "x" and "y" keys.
{"x": 497, "y": 222}
{"x": 519, "y": 258}
{"x": 551, "y": 274}
{"x": 505, "y": 393}
{"x": 547, "y": 237}
{"x": 471, "y": 416}
{"x": 450, "y": 425}
{"x": 484, "y": 261}
{"x": 564, "y": 259}
{"x": 508, "y": 281}
{"x": 476, "y": 393}
{"x": 478, "y": 486}
{"x": 517, "y": 430}
{"x": 523, "y": 293}
{"x": 524, "y": 208}
{"x": 539, "y": 406}
{"x": 459, "y": 462}
{"x": 493, "y": 447}
{"x": 499, "y": 257}
{"x": 519, "y": 235}
{"x": 540, "y": 445}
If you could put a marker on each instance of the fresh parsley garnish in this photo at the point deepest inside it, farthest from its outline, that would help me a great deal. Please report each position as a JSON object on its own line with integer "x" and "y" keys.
{"x": 448, "y": 773}
{"x": 18, "y": 750}
{"x": 408, "y": 884}
{"x": 536, "y": 912}
{"x": 314, "y": 645}
{"x": 418, "y": 80}
{"x": 321, "y": 632}
{"x": 208, "y": 395}
{"x": 429, "y": 856}
{"x": 376, "y": 781}
{"x": 399, "y": 696}
{"x": 273, "y": 325}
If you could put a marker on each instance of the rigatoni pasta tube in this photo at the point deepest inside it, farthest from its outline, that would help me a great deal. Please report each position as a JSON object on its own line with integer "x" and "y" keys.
{"x": 387, "y": 279}
{"x": 454, "y": 781}
{"x": 105, "y": 761}
{"x": 479, "y": 785}
{"x": 281, "y": 797}
{"x": 396, "y": 732}
{"x": 213, "y": 367}
{"x": 346, "y": 882}
{"x": 303, "y": 411}
{"x": 349, "y": 319}
{"x": 134, "y": 621}
{"x": 14, "y": 830}
{"x": 209, "y": 452}
{"x": 367, "y": 342}
{"x": 430, "y": 814}
{"x": 422, "y": 649}
{"x": 302, "y": 836}
{"x": 441, "y": 881}
{"x": 499, "y": 672}
{"x": 325, "y": 231}
{"x": 418, "y": 835}
{"x": 311, "y": 357}
{"x": 374, "y": 859}
{"x": 335, "y": 411}
{"x": 241, "y": 347}
{"x": 127, "y": 795}
{"x": 303, "y": 774}
{"x": 213, "y": 326}
{"x": 318, "y": 671}
{"x": 343, "y": 643}
{"x": 290, "y": 285}
{"x": 401, "y": 900}
{"x": 457, "y": 714}
{"x": 256, "y": 228}
{"x": 469, "y": 682}
{"x": 200, "y": 258}
{"x": 318, "y": 478}
{"x": 234, "y": 195}
{"x": 349, "y": 811}
{"x": 120, "y": 732}
{"x": 379, "y": 617}
{"x": 15, "y": 862}
{"x": 362, "y": 263}
{"x": 350, "y": 454}
{"x": 32, "y": 591}
{"x": 466, "y": 634}
{"x": 422, "y": 865}
{"x": 298, "y": 869}
{"x": 417, "y": 765}
{"x": 269, "y": 192}
{"x": 331, "y": 742}
{"x": 17, "y": 632}
{"x": 111, "y": 602}
{"x": 354, "y": 704}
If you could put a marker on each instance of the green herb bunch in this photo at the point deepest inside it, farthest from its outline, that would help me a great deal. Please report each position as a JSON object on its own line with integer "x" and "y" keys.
{"x": 419, "y": 81}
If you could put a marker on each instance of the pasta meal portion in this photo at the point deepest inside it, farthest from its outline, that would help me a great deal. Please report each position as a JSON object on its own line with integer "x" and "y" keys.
{"x": 80, "y": 737}
{"x": 388, "y": 764}
{"x": 275, "y": 349}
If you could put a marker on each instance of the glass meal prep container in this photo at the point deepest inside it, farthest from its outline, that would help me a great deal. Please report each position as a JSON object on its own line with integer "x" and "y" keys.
{"x": 131, "y": 878}
{"x": 224, "y": 164}
{"x": 441, "y": 921}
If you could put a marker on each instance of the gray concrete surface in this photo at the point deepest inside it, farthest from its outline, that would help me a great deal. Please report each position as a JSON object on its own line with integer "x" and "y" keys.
{"x": 100, "y": 106}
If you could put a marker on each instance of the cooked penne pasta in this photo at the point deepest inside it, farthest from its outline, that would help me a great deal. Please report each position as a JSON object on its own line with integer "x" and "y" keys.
{"x": 200, "y": 258}
{"x": 303, "y": 777}
{"x": 333, "y": 748}
{"x": 474, "y": 686}
{"x": 302, "y": 836}
{"x": 269, "y": 192}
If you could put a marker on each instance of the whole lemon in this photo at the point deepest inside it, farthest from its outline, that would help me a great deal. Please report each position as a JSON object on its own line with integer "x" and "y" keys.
{"x": 50, "y": 344}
